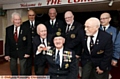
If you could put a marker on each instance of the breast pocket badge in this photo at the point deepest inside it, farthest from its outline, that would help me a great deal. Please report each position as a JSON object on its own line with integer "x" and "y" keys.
{"x": 100, "y": 52}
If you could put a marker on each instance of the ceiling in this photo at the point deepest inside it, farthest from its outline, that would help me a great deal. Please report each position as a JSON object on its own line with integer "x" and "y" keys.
{"x": 82, "y": 7}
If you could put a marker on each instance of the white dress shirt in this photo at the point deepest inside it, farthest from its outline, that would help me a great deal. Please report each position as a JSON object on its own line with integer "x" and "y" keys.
{"x": 53, "y": 21}
{"x": 94, "y": 40}
{"x": 18, "y": 29}
{"x": 32, "y": 22}
{"x": 69, "y": 26}
{"x": 45, "y": 41}
{"x": 106, "y": 27}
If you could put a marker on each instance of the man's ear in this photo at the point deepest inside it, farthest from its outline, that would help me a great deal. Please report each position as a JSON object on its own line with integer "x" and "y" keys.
{"x": 63, "y": 40}
{"x": 109, "y": 19}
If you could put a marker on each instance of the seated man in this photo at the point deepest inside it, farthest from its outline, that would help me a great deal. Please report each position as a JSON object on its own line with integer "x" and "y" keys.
{"x": 42, "y": 39}
{"x": 60, "y": 59}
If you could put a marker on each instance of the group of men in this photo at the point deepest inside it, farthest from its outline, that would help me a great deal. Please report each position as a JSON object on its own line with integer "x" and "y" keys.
{"x": 61, "y": 46}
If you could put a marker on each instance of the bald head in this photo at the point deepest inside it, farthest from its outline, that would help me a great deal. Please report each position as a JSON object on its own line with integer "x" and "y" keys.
{"x": 94, "y": 21}
{"x": 42, "y": 30}
{"x": 31, "y": 15}
{"x": 52, "y": 13}
{"x": 69, "y": 17}
{"x": 105, "y": 19}
{"x": 91, "y": 26}
{"x": 105, "y": 14}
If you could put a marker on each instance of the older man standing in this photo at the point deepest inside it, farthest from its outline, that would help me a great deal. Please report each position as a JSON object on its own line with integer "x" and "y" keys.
{"x": 31, "y": 23}
{"x": 72, "y": 34}
{"x": 97, "y": 51}
{"x": 17, "y": 45}
{"x": 105, "y": 19}
{"x": 54, "y": 25}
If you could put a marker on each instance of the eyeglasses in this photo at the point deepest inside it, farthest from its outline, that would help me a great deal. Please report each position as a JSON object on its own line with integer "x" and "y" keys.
{"x": 31, "y": 15}
{"x": 104, "y": 18}
{"x": 68, "y": 17}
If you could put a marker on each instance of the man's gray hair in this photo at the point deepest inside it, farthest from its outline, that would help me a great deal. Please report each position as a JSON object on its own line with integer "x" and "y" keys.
{"x": 95, "y": 20}
{"x": 15, "y": 13}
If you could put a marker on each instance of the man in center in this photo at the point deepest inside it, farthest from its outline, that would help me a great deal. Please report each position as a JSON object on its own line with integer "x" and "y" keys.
{"x": 61, "y": 60}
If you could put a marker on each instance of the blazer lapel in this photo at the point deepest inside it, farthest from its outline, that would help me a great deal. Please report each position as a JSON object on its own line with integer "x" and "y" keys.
{"x": 72, "y": 27}
{"x": 20, "y": 33}
{"x": 98, "y": 40}
{"x": 12, "y": 33}
{"x": 85, "y": 43}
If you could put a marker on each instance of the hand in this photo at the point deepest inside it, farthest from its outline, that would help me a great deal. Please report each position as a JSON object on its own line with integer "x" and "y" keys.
{"x": 98, "y": 70}
{"x": 7, "y": 58}
{"x": 40, "y": 47}
{"x": 77, "y": 56}
{"x": 26, "y": 56}
{"x": 114, "y": 63}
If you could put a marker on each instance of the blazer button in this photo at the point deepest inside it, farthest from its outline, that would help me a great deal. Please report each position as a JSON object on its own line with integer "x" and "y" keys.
{"x": 16, "y": 43}
{"x": 32, "y": 32}
{"x": 16, "y": 48}
{"x": 57, "y": 75}
{"x": 58, "y": 69}
{"x": 32, "y": 28}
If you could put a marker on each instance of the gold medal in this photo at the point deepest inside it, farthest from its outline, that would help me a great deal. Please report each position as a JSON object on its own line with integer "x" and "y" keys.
{"x": 72, "y": 35}
{"x": 59, "y": 29}
{"x": 48, "y": 43}
{"x": 66, "y": 65}
{"x": 72, "y": 27}
{"x": 111, "y": 33}
{"x": 24, "y": 38}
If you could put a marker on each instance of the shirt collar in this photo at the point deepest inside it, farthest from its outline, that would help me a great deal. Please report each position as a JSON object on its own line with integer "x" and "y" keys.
{"x": 95, "y": 35}
{"x": 32, "y": 22}
{"x": 53, "y": 20}
{"x": 61, "y": 50}
{"x": 106, "y": 27}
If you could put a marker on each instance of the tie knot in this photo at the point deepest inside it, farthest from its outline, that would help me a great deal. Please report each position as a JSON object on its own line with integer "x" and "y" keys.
{"x": 32, "y": 24}
{"x": 91, "y": 36}
{"x": 68, "y": 25}
{"x": 43, "y": 39}
{"x": 16, "y": 28}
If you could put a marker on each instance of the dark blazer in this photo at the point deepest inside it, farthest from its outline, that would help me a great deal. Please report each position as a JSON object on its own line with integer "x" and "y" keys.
{"x": 59, "y": 26}
{"x": 73, "y": 37}
{"x": 20, "y": 48}
{"x": 101, "y": 54}
{"x": 68, "y": 70}
{"x": 36, "y": 43}
{"x": 27, "y": 23}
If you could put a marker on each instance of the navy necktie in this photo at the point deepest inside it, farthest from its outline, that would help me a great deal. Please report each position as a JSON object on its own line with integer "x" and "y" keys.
{"x": 68, "y": 26}
{"x": 91, "y": 43}
{"x": 43, "y": 42}
{"x": 58, "y": 58}
{"x": 104, "y": 28}
{"x": 32, "y": 26}
{"x": 52, "y": 24}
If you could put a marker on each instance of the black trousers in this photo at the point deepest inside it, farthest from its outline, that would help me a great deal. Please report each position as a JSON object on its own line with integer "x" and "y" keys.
{"x": 39, "y": 70}
{"x": 29, "y": 65}
{"x": 14, "y": 66}
{"x": 89, "y": 72}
